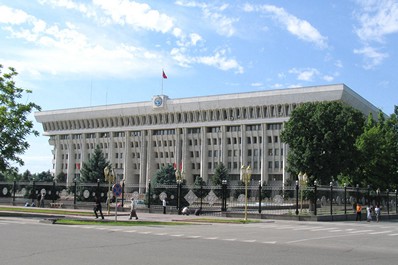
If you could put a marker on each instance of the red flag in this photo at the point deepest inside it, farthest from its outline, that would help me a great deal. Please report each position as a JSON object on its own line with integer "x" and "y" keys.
{"x": 164, "y": 75}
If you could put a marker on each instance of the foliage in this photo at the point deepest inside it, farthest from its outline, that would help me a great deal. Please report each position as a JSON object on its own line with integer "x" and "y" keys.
{"x": 14, "y": 123}
{"x": 198, "y": 188}
{"x": 220, "y": 173}
{"x": 61, "y": 177}
{"x": 321, "y": 138}
{"x": 378, "y": 146}
{"x": 94, "y": 168}
{"x": 165, "y": 176}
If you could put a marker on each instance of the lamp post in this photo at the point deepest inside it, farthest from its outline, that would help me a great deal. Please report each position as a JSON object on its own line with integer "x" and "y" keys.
{"x": 388, "y": 203}
{"x": 368, "y": 195}
{"x": 345, "y": 198}
{"x": 302, "y": 182}
{"x": 396, "y": 205}
{"x": 259, "y": 196}
{"x": 224, "y": 195}
{"x": 297, "y": 190}
{"x": 357, "y": 193}
{"x": 179, "y": 177}
{"x": 315, "y": 196}
{"x": 378, "y": 196}
{"x": 74, "y": 196}
{"x": 149, "y": 194}
{"x": 245, "y": 177}
{"x": 331, "y": 198}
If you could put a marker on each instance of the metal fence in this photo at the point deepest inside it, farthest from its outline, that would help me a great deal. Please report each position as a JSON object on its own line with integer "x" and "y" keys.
{"x": 209, "y": 200}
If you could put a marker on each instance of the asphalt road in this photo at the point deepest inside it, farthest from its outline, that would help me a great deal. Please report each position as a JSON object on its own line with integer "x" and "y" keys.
{"x": 30, "y": 242}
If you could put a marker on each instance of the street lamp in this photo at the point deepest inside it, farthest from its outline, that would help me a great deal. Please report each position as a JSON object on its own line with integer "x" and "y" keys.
{"x": 179, "y": 178}
{"x": 245, "y": 177}
{"x": 302, "y": 182}
{"x": 315, "y": 196}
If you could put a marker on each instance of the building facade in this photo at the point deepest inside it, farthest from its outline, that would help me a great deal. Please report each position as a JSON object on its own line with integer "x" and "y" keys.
{"x": 194, "y": 133}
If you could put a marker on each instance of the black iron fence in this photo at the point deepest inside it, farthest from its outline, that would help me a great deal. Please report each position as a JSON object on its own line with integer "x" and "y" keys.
{"x": 208, "y": 200}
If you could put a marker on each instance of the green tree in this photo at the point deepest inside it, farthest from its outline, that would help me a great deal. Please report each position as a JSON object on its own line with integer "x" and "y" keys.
{"x": 61, "y": 177}
{"x": 220, "y": 173}
{"x": 94, "y": 168}
{"x": 14, "y": 122}
{"x": 321, "y": 138}
{"x": 44, "y": 176}
{"x": 378, "y": 153}
{"x": 165, "y": 176}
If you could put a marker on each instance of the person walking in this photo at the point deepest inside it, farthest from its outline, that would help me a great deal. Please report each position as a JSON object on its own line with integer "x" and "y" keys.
{"x": 377, "y": 212}
{"x": 164, "y": 203}
{"x": 369, "y": 213}
{"x": 98, "y": 207}
{"x": 359, "y": 212}
{"x": 133, "y": 212}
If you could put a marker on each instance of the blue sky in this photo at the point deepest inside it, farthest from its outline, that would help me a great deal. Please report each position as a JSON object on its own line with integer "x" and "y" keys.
{"x": 83, "y": 53}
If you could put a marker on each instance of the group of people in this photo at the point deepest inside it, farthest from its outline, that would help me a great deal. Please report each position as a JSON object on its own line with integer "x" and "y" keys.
{"x": 98, "y": 208}
{"x": 369, "y": 211}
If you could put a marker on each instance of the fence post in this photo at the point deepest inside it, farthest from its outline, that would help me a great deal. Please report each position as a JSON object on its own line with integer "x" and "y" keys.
{"x": 388, "y": 203}
{"x": 122, "y": 193}
{"x": 201, "y": 196}
{"x": 357, "y": 194}
{"x": 33, "y": 193}
{"x": 14, "y": 188}
{"x": 224, "y": 195}
{"x": 53, "y": 192}
{"x": 345, "y": 199}
{"x": 259, "y": 196}
{"x": 396, "y": 205}
{"x": 149, "y": 194}
{"x": 297, "y": 197}
{"x": 315, "y": 196}
{"x": 331, "y": 198}
{"x": 74, "y": 195}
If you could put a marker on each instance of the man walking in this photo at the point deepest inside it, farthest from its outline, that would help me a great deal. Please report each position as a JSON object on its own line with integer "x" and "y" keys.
{"x": 133, "y": 212}
{"x": 359, "y": 212}
{"x": 98, "y": 207}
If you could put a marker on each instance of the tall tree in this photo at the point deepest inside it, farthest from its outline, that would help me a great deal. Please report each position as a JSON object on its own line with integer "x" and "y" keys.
{"x": 378, "y": 146}
{"x": 94, "y": 168}
{"x": 321, "y": 138}
{"x": 165, "y": 176}
{"x": 220, "y": 173}
{"x": 14, "y": 122}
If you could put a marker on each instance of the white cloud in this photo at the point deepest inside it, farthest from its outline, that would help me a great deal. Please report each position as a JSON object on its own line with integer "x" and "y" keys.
{"x": 212, "y": 14}
{"x": 307, "y": 74}
{"x": 218, "y": 60}
{"x": 328, "y": 78}
{"x": 257, "y": 84}
{"x": 135, "y": 14}
{"x": 372, "y": 56}
{"x": 377, "y": 18}
{"x": 298, "y": 27}
{"x": 13, "y": 16}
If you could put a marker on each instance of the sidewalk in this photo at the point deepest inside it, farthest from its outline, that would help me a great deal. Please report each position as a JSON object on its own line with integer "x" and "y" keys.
{"x": 89, "y": 215}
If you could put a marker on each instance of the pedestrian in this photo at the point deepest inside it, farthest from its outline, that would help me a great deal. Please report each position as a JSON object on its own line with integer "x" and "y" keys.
{"x": 164, "y": 203}
{"x": 133, "y": 207}
{"x": 185, "y": 211}
{"x": 98, "y": 207}
{"x": 377, "y": 212}
{"x": 359, "y": 212}
{"x": 369, "y": 213}
{"x": 43, "y": 195}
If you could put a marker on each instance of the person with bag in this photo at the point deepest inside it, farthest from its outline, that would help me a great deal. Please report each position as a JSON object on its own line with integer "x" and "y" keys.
{"x": 133, "y": 212}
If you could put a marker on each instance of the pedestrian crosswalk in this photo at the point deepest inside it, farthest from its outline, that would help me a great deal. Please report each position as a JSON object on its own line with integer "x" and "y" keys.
{"x": 260, "y": 233}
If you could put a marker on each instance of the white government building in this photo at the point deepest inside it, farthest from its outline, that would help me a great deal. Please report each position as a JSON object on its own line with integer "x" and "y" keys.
{"x": 195, "y": 133}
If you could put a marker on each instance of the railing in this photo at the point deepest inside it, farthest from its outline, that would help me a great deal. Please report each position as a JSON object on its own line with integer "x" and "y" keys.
{"x": 210, "y": 200}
